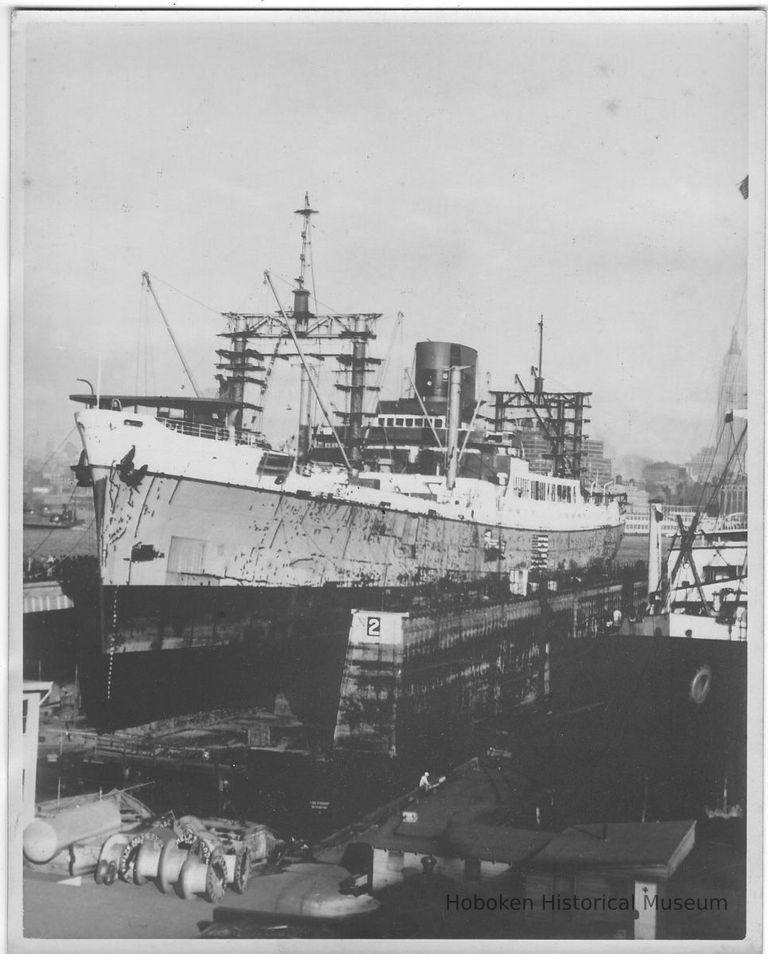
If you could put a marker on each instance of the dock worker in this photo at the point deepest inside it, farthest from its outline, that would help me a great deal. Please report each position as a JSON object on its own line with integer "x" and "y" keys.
{"x": 424, "y": 784}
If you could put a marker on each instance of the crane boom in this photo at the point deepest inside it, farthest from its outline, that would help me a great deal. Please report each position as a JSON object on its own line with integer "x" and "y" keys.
{"x": 176, "y": 345}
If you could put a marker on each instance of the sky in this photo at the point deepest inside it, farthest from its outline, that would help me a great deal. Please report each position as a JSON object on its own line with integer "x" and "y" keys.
{"x": 469, "y": 175}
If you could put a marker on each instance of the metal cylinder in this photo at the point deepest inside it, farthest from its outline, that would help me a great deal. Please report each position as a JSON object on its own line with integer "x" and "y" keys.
{"x": 434, "y": 360}
{"x": 301, "y": 312}
{"x": 110, "y": 854}
{"x": 127, "y": 862}
{"x": 172, "y": 859}
{"x": 356, "y": 395}
{"x": 191, "y": 827}
{"x": 44, "y": 838}
{"x": 454, "y": 411}
{"x": 239, "y": 868}
{"x": 199, "y": 878}
{"x": 148, "y": 858}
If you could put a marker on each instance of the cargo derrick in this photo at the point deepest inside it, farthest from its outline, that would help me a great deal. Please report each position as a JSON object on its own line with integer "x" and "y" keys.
{"x": 300, "y": 327}
{"x": 559, "y": 416}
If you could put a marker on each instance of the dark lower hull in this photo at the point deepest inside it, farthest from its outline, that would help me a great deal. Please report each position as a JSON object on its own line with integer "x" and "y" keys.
{"x": 156, "y": 651}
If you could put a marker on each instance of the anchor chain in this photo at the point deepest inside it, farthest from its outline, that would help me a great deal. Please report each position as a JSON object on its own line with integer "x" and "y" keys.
{"x": 112, "y": 646}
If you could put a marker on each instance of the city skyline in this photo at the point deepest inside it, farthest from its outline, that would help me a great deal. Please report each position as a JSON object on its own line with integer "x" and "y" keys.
{"x": 471, "y": 175}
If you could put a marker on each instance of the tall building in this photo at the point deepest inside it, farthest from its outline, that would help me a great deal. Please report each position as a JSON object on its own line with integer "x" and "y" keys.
{"x": 731, "y": 430}
{"x": 536, "y": 448}
{"x": 732, "y": 395}
{"x": 594, "y": 464}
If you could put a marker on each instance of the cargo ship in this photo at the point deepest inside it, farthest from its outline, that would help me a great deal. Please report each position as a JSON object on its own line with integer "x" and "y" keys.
{"x": 208, "y": 536}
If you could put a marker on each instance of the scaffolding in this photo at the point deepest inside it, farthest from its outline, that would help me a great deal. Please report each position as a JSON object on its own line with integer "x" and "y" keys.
{"x": 559, "y": 416}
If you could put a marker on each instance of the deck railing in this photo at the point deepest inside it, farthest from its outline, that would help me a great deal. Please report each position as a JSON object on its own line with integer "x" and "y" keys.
{"x": 213, "y": 432}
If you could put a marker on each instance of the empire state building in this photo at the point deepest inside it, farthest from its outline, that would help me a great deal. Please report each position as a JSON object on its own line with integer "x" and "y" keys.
{"x": 732, "y": 396}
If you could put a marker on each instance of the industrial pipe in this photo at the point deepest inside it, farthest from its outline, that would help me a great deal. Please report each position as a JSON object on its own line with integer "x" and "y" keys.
{"x": 44, "y": 838}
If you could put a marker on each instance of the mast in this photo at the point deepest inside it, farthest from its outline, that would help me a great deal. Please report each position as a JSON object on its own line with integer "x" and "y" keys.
{"x": 292, "y": 333}
{"x": 538, "y": 381}
{"x": 558, "y": 416}
{"x": 356, "y": 392}
{"x": 454, "y": 412}
{"x": 301, "y": 312}
{"x": 301, "y": 316}
{"x": 305, "y": 418}
{"x": 334, "y": 333}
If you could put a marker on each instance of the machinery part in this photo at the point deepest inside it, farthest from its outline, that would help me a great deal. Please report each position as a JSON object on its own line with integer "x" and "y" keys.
{"x": 242, "y": 869}
{"x": 44, "y": 838}
{"x": 700, "y": 685}
{"x": 194, "y": 834}
{"x": 172, "y": 859}
{"x": 206, "y": 879}
{"x": 126, "y": 865}
{"x": 238, "y": 867}
{"x": 148, "y": 858}
{"x": 113, "y": 847}
{"x": 216, "y": 878}
{"x": 189, "y": 829}
{"x": 200, "y": 847}
{"x": 101, "y": 870}
{"x": 110, "y": 876}
{"x": 82, "y": 471}
{"x": 109, "y": 856}
{"x": 192, "y": 879}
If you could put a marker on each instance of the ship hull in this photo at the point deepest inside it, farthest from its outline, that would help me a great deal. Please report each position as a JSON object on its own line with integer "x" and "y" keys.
{"x": 174, "y": 509}
{"x": 173, "y": 531}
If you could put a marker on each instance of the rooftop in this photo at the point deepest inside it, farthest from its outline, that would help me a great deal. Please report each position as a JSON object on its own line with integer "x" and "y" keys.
{"x": 456, "y": 820}
{"x": 654, "y": 847}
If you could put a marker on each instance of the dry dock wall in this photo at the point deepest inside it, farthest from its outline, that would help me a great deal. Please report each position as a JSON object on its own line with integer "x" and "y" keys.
{"x": 410, "y": 679}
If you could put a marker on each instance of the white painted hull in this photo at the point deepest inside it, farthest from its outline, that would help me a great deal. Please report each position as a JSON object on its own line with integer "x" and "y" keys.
{"x": 202, "y": 515}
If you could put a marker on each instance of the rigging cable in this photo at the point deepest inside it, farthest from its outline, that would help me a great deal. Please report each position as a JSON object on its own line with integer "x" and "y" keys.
{"x": 176, "y": 345}
{"x": 197, "y": 301}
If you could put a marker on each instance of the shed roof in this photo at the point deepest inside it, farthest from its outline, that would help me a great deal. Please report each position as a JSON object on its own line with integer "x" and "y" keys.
{"x": 452, "y": 822}
{"x": 637, "y": 846}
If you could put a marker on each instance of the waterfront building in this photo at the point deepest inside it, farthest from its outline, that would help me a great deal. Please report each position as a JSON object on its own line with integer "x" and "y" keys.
{"x": 608, "y": 878}
{"x": 595, "y": 465}
{"x": 636, "y": 519}
{"x": 454, "y": 832}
